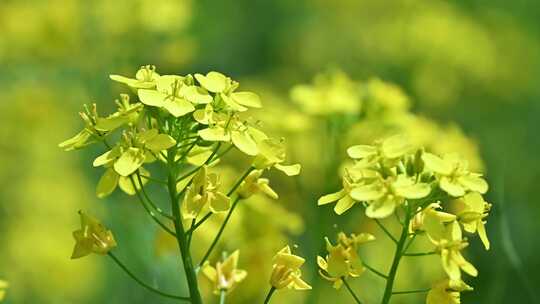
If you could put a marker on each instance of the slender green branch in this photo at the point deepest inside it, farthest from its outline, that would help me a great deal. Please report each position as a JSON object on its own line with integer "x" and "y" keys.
{"x": 356, "y": 299}
{"x": 194, "y": 227}
{"x": 222, "y": 295}
{"x": 220, "y": 232}
{"x": 412, "y": 291}
{"x": 150, "y": 212}
{"x": 150, "y": 202}
{"x": 187, "y": 261}
{"x": 208, "y": 160}
{"x": 420, "y": 253}
{"x": 386, "y": 231}
{"x": 397, "y": 257}
{"x": 143, "y": 284}
{"x": 269, "y": 295}
{"x": 375, "y": 271}
{"x": 153, "y": 179}
{"x": 411, "y": 240}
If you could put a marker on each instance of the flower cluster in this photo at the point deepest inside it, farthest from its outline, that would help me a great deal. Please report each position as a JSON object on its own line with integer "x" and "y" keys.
{"x": 439, "y": 197}
{"x": 181, "y": 127}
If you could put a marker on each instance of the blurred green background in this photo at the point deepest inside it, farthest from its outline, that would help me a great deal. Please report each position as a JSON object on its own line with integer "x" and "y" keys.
{"x": 472, "y": 64}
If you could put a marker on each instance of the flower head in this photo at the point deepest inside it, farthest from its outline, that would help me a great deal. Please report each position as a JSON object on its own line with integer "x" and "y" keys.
{"x": 286, "y": 271}
{"x": 93, "y": 237}
{"x": 446, "y": 292}
{"x": 453, "y": 174}
{"x": 342, "y": 260}
{"x": 253, "y": 184}
{"x": 225, "y": 275}
{"x": 204, "y": 191}
{"x": 471, "y": 212}
{"x": 145, "y": 78}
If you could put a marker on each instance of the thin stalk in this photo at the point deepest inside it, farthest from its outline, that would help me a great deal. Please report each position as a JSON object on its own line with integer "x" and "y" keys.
{"x": 351, "y": 291}
{"x": 220, "y": 232}
{"x": 375, "y": 271}
{"x": 194, "y": 227}
{"x": 143, "y": 284}
{"x": 269, "y": 295}
{"x": 411, "y": 291}
{"x": 153, "y": 179}
{"x": 191, "y": 277}
{"x": 420, "y": 253}
{"x": 397, "y": 258}
{"x": 150, "y": 202}
{"x": 150, "y": 212}
{"x": 222, "y": 295}
{"x": 386, "y": 230}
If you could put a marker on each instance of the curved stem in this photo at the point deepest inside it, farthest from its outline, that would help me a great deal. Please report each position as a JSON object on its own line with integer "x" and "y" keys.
{"x": 351, "y": 291}
{"x": 150, "y": 212}
{"x": 143, "y": 284}
{"x": 375, "y": 271}
{"x": 150, "y": 202}
{"x": 240, "y": 180}
{"x": 194, "y": 227}
{"x": 153, "y": 179}
{"x": 412, "y": 291}
{"x": 386, "y": 230}
{"x": 269, "y": 295}
{"x": 220, "y": 232}
{"x": 395, "y": 263}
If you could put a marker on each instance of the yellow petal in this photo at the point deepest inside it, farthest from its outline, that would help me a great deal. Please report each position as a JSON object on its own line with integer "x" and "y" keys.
{"x": 332, "y": 197}
{"x": 247, "y": 99}
{"x": 129, "y": 161}
{"x": 151, "y": 97}
{"x": 244, "y": 142}
{"x": 107, "y": 183}
{"x": 289, "y": 170}
{"x": 344, "y": 204}
{"x": 213, "y": 81}
{"x": 160, "y": 142}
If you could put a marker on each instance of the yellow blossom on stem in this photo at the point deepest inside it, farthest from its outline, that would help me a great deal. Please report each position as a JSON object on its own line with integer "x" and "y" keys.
{"x": 225, "y": 275}
{"x": 254, "y": 184}
{"x": 471, "y": 212}
{"x": 286, "y": 271}
{"x": 202, "y": 192}
{"x": 93, "y": 237}
{"x": 446, "y": 292}
{"x": 342, "y": 260}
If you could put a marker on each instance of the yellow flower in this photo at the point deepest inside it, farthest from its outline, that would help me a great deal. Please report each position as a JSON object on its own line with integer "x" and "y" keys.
{"x": 286, "y": 271}
{"x": 253, "y": 184}
{"x": 145, "y": 78}
{"x": 446, "y": 292}
{"x": 225, "y": 276}
{"x": 93, "y": 237}
{"x": 449, "y": 243}
{"x": 472, "y": 210}
{"x": 204, "y": 191}
{"x": 272, "y": 154}
{"x": 432, "y": 211}
{"x": 3, "y": 286}
{"x": 342, "y": 259}
{"x": 453, "y": 174}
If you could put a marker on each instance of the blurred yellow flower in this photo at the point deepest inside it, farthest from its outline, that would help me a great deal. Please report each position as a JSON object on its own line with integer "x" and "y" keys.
{"x": 3, "y": 286}
{"x": 254, "y": 184}
{"x": 471, "y": 212}
{"x": 286, "y": 271}
{"x": 93, "y": 237}
{"x": 225, "y": 276}
{"x": 454, "y": 175}
{"x": 445, "y": 292}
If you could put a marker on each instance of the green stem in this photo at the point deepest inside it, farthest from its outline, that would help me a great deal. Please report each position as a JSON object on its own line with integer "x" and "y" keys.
{"x": 386, "y": 230}
{"x": 220, "y": 232}
{"x": 351, "y": 291}
{"x": 375, "y": 271}
{"x": 150, "y": 212}
{"x": 150, "y": 202}
{"x": 269, "y": 295}
{"x": 153, "y": 179}
{"x": 222, "y": 295}
{"x": 143, "y": 284}
{"x": 397, "y": 258}
{"x": 191, "y": 276}
{"x": 420, "y": 253}
{"x": 411, "y": 291}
